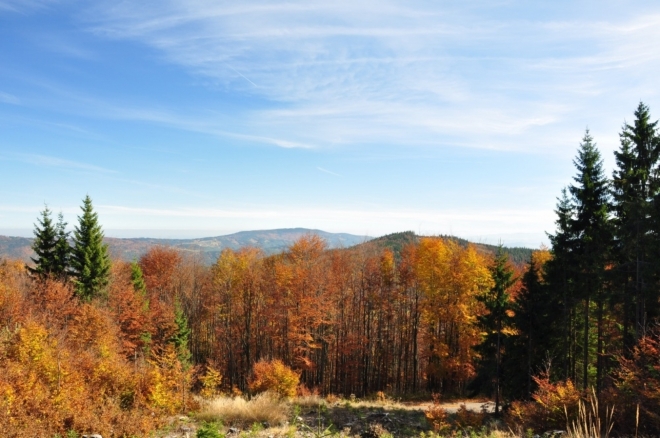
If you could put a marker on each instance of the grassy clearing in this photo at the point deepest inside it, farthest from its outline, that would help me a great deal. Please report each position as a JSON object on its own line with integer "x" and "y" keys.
{"x": 269, "y": 415}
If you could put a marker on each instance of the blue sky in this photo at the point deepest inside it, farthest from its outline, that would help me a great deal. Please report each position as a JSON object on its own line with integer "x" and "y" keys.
{"x": 197, "y": 118}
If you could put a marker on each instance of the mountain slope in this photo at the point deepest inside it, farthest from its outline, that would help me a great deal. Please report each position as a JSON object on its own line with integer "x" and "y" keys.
{"x": 16, "y": 247}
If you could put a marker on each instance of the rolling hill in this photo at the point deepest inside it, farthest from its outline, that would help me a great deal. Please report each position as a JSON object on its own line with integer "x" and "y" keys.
{"x": 270, "y": 241}
{"x": 396, "y": 242}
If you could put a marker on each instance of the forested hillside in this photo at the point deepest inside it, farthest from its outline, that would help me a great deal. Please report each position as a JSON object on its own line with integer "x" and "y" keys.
{"x": 397, "y": 241}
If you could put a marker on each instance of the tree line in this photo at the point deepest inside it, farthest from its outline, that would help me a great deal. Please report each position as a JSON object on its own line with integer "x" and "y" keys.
{"x": 352, "y": 321}
{"x": 598, "y": 294}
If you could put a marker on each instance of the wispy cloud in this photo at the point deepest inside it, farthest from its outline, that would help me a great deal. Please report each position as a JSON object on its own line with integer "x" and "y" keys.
{"x": 64, "y": 45}
{"x": 352, "y": 73}
{"x": 24, "y": 6}
{"x": 9, "y": 98}
{"x": 356, "y": 72}
{"x": 48, "y": 161}
{"x": 328, "y": 172}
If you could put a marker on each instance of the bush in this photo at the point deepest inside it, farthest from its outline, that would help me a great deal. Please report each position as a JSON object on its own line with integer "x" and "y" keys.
{"x": 467, "y": 419}
{"x": 637, "y": 392}
{"x": 437, "y": 416}
{"x": 274, "y": 376}
{"x": 209, "y": 430}
{"x": 553, "y": 402}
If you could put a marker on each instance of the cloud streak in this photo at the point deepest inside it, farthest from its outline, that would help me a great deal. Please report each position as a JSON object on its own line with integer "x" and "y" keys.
{"x": 48, "y": 161}
{"x": 328, "y": 172}
{"x": 9, "y": 98}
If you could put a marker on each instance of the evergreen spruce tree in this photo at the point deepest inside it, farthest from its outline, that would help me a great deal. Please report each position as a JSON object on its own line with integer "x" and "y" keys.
{"x": 181, "y": 338}
{"x": 496, "y": 324}
{"x": 137, "y": 279}
{"x": 635, "y": 189}
{"x": 89, "y": 259}
{"x": 62, "y": 249}
{"x": 560, "y": 279}
{"x": 593, "y": 234}
{"x": 537, "y": 322}
{"x": 45, "y": 246}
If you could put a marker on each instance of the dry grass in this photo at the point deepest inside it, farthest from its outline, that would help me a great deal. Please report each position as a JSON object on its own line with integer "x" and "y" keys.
{"x": 241, "y": 412}
{"x": 309, "y": 401}
{"x": 589, "y": 424}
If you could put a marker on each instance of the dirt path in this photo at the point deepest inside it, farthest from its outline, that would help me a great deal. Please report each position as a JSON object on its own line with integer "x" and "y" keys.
{"x": 471, "y": 406}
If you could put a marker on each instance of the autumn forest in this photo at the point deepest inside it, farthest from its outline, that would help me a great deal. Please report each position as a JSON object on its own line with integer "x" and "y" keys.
{"x": 93, "y": 344}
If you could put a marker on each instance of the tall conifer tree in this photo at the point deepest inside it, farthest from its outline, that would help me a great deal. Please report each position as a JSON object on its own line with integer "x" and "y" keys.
{"x": 560, "y": 278}
{"x": 593, "y": 232}
{"x": 62, "y": 249}
{"x": 51, "y": 247}
{"x": 89, "y": 259}
{"x": 538, "y": 330}
{"x": 496, "y": 323}
{"x": 635, "y": 190}
{"x": 44, "y": 245}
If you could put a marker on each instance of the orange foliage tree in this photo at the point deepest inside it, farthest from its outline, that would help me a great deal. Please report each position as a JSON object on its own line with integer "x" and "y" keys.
{"x": 274, "y": 376}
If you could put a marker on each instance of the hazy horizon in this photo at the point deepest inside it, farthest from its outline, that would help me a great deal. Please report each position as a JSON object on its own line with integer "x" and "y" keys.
{"x": 511, "y": 240}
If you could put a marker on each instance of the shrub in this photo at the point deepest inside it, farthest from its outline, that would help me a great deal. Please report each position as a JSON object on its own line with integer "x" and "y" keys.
{"x": 209, "y": 430}
{"x": 467, "y": 419}
{"x": 637, "y": 392}
{"x": 553, "y": 402}
{"x": 437, "y": 416}
{"x": 274, "y": 376}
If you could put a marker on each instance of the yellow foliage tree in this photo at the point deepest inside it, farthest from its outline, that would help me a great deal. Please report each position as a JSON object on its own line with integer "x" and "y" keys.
{"x": 210, "y": 381}
{"x": 451, "y": 278}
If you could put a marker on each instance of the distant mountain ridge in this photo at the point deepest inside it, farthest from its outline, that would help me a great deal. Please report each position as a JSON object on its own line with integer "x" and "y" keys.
{"x": 270, "y": 241}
